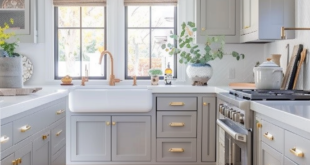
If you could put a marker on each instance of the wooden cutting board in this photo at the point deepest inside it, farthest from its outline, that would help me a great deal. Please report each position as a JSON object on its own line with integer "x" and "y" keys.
{"x": 17, "y": 91}
{"x": 242, "y": 85}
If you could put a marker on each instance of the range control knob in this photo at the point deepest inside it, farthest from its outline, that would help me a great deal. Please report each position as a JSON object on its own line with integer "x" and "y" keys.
{"x": 221, "y": 107}
{"x": 231, "y": 113}
{"x": 236, "y": 117}
{"x": 241, "y": 119}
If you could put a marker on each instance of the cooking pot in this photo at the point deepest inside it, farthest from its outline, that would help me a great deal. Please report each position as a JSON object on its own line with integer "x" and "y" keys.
{"x": 268, "y": 75}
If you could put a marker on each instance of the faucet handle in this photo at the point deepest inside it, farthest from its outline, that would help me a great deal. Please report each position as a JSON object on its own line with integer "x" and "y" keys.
{"x": 84, "y": 79}
{"x": 117, "y": 80}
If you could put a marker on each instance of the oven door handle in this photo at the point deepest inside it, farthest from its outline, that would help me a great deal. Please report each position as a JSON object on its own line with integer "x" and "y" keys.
{"x": 235, "y": 135}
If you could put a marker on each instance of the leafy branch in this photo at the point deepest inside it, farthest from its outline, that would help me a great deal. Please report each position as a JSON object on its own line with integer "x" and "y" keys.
{"x": 190, "y": 52}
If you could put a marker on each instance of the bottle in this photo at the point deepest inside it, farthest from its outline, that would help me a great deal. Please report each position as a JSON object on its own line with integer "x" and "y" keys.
{"x": 168, "y": 75}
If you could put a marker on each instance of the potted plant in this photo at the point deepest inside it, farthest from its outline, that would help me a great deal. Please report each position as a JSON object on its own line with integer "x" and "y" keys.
{"x": 155, "y": 73}
{"x": 10, "y": 61}
{"x": 198, "y": 70}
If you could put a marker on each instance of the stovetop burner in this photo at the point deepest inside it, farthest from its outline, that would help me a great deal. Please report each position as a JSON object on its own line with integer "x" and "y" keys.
{"x": 253, "y": 94}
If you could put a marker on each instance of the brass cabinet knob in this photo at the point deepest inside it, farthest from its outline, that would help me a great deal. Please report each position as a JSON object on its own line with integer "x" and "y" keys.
{"x": 25, "y": 128}
{"x": 113, "y": 123}
{"x": 19, "y": 160}
{"x": 14, "y": 162}
{"x": 205, "y": 104}
{"x": 259, "y": 125}
{"x": 107, "y": 123}
{"x": 44, "y": 136}
{"x": 203, "y": 29}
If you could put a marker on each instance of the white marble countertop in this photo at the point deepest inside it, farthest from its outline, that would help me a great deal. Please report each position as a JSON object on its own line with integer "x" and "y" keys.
{"x": 12, "y": 105}
{"x": 294, "y": 113}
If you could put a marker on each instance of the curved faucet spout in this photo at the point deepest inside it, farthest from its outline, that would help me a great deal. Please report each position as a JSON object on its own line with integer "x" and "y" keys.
{"x": 113, "y": 80}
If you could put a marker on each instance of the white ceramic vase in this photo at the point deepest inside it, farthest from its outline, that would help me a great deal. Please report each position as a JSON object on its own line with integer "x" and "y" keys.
{"x": 11, "y": 72}
{"x": 200, "y": 74}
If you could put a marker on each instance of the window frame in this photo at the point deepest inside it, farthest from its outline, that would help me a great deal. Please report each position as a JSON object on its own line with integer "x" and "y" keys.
{"x": 128, "y": 77}
{"x": 56, "y": 55}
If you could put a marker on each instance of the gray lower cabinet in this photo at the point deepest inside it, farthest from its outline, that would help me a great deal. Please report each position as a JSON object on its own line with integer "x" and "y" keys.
{"x": 41, "y": 149}
{"x": 288, "y": 162}
{"x": 208, "y": 129}
{"x": 131, "y": 138}
{"x": 92, "y": 136}
{"x": 60, "y": 157}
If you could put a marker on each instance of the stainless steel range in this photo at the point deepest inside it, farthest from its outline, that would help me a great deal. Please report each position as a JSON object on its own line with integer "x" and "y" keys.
{"x": 235, "y": 122}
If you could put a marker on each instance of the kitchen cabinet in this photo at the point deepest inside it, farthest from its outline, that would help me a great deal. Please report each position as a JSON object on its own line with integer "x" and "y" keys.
{"x": 35, "y": 148}
{"x": 41, "y": 149}
{"x": 24, "y": 14}
{"x": 278, "y": 141}
{"x": 217, "y": 18}
{"x": 261, "y": 20}
{"x": 60, "y": 157}
{"x": 129, "y": 135}
{"x": 208, "y": 129}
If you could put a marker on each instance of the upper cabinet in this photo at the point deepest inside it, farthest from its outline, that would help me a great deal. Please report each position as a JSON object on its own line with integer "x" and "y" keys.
{"x": 23, "y": 12}
{"x": 261, "y": 20}
{"x": 217, "y": 17}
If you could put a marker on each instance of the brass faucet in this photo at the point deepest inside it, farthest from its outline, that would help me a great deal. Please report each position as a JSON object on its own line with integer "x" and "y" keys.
{"x": 293, "y": 28}
{"x": 113, "y": 80}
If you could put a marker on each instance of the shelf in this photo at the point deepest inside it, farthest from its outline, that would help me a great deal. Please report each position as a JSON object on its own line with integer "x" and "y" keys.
{"x": 11, "y": 10}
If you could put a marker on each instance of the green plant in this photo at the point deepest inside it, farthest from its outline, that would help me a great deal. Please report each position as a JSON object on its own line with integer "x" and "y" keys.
{"x": 9, "y": 48}
{"x": 190, "y": 52}
{"x": 155, "y": 72}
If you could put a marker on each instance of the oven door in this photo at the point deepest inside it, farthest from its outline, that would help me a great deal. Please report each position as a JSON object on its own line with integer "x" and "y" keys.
{"x": 237, "y": 143}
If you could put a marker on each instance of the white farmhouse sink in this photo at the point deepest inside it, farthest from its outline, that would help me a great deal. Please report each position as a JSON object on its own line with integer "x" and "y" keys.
{"x": 110, "y": 100}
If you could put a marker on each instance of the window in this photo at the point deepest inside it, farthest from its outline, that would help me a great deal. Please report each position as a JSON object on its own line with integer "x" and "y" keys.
{"x": 147, "y": 28}
{"x": 80, "y": 36}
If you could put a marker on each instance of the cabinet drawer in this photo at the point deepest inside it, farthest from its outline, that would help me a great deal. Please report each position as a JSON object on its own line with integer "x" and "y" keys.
{"x": 273, "y": 135}
{"x": 6, "y": 136}
{"x": 176, "y": 103}
{"x": 288, "y": 162}
{"x": 176, "y": 124}
{"x": 295, "y": 144}
{"x": 270, "y": 155}
{"x": 58, "y": 137}
{"x": 57, "y": 111}
{"x": 176, "y": 150}
{"x": 25, "y": 127}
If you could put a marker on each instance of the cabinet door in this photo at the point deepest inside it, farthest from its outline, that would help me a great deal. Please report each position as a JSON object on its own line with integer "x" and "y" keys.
{"x": 24, "y": 155}
{"x": 91, "y": 138}
{"x": 41, "y": 150}
{"x": 249, "y": 16}
{"x": 208, "y": 129}
{"x": 131, "y": 138}
{"x": 8, "y": 160}
{"x": 217, "y": 17}
{"x": 287, "y": 161}
{"x": 270, "y": 155}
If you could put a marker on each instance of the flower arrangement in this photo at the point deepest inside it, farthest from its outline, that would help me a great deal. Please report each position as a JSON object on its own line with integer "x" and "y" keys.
{"x": 190, "y": 52}
{"x": 155, "y": 72}
{"x": 8, "y": 48}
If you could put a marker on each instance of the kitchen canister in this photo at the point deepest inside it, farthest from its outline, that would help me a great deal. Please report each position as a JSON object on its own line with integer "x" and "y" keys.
{"x": 11, "y": 72}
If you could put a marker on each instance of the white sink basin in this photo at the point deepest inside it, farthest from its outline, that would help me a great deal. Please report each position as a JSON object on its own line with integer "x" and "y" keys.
{"x": 110, "y": 100}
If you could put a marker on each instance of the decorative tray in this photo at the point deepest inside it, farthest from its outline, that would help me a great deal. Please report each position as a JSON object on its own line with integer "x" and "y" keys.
{"x": 17, "y": 91}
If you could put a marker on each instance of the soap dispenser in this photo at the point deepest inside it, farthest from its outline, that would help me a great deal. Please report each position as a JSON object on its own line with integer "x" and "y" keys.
{"x": 168, "y": 75}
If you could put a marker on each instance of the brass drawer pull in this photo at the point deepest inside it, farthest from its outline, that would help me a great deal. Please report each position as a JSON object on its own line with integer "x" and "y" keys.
{"x": 107, "y": 123}
{"x": 45, "y": 137}
{"x": 176, "y": 103}
{"x": 4, "y": 139}
{"x": 60, "y": 112}
{"x": 246, "y": 27}
{"x": 19, "y": 161}
{"x": 25, "y": 128}
{"x": 268, "y": 136}
{"x": 173, "y": 124}
{"x": 58, "y": 133}
{"x": 176, "y": 150}
{"x": 259, "y": 125}
{"x": 205, "y": 104}
{"x": 297, "y": 152}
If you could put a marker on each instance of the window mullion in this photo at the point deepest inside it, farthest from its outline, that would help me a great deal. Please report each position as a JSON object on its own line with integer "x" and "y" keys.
{"x": 150, "y": 44}
{"x": 81, "y": 46}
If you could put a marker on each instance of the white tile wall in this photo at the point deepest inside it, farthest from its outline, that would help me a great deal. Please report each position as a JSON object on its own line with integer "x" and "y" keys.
{"x": 302, "y": 37}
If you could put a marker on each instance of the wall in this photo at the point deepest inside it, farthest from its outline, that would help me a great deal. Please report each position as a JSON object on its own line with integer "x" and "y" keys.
{"x": 302, "y": 19}
{"x": 41, "y": 54}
